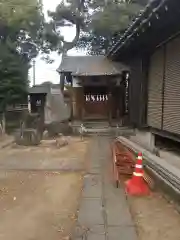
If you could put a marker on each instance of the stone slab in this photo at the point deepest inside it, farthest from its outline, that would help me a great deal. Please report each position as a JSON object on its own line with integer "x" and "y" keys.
{"x": 94, "y": 164}
{"x": 111, "y": 191}
{"x": 113, "y": 220}
{"x": 91, "y": 212}
{"x": 94, "y": 170}
{"x": 118, "y": 213}
{"x": 122, "y": 233}
{"x": 96, "y": 237}
{"x": 92, "y": 186}
{"x": 96, "y": 233}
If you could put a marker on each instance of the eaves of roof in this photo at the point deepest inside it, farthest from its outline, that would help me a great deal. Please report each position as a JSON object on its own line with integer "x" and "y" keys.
{"x": 141, "y": 19}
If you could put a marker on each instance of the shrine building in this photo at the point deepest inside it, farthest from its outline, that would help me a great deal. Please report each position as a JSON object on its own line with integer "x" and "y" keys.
{"x": 98, "y": 87}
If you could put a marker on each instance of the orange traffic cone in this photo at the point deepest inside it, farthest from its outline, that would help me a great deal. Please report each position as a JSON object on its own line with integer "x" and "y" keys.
{"x": 136, "y": 185}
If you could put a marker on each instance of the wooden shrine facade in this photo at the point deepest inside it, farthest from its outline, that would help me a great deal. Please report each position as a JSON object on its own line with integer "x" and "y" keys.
{"x": 97, "y": 88}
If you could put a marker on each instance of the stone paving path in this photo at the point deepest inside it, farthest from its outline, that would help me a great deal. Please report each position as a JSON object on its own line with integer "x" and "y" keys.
{"x": 103, "y": 212}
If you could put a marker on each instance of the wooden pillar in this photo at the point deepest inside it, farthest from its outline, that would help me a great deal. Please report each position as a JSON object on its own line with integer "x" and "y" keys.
{"x": 83, "y": 104}
{"x": 62, "y": 80}
{"x": 119, "y": 101}
{"x": 77, "y": 99}
{"x": 73, "y": 99}
{"x": 110, "y": 107}
{"x": 109, "y": 100}
{"x": 78, "y": 103}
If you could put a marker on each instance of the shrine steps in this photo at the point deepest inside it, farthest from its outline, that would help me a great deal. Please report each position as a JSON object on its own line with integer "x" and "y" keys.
{"x": 102, "y": 128}
{"x": 96, "y": 124}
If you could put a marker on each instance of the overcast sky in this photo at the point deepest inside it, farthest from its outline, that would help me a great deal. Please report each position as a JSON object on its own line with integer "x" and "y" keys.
{"x": 47, "y": 72}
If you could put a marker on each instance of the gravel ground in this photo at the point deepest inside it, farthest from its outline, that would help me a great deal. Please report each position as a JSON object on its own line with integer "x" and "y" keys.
{"x": 155, "y": 218}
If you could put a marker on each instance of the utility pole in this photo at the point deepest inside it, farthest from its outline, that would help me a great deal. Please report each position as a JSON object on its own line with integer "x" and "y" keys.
{"x": 34, "y": 72}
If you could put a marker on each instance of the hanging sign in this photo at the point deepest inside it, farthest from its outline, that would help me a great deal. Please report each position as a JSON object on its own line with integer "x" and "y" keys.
{"x": 38, "y": 103}
{"x": 96, "y": 98}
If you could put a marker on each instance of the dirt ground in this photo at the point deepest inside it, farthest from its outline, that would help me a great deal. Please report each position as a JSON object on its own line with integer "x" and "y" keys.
{"x": 155, "y": 218}
{"x": 46, "y": 156}
{"x": 40, "y": 188}
{"x": 37, "y": 205}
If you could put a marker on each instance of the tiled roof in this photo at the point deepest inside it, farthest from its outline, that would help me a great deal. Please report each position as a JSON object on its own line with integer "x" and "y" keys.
{"x": 90, "y": 66}
{"x": 38, "y": 89}
{"x": 43, "y": 88}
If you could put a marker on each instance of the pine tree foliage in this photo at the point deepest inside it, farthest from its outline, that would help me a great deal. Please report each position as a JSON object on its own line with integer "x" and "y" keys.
{"x": 98, "y": 23}
{"x": 108, "y": 21}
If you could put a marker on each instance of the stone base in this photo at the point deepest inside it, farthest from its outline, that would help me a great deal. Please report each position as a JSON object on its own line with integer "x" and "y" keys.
{"x": 56, "y": 128}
